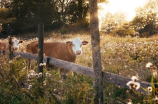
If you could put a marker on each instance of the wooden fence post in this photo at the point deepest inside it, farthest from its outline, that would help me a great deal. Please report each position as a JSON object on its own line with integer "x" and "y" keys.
{"x": 40, "y": 46}
{"x": 95, "y": 40}
{"x": 10, "y": 43}
{"x": 40, "y": 58}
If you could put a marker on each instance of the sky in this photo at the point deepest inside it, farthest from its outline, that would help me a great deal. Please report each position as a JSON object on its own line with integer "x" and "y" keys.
{"x": 126, "y": 6}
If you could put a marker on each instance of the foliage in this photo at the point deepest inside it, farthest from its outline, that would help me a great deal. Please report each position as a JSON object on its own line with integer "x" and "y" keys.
{"x": 77, "y": 11}
{"x": 5, "y": 19}
{"x": 5, "y": 4}
{"x": 54, "y": 14}
{"x": 124, "y": 30}
{"x": 11, "y": 91}
{"x": 20, "y": 86}
{"x": 29, "y": 13}
{"x": 3, "y": 14}
{"x": 116, "y": 25}
{"x": 103, "y": 1}
{"x": 145, "y": 20}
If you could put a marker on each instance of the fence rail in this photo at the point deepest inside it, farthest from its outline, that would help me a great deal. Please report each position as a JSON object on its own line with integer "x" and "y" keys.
{"x": 108, "y": 77}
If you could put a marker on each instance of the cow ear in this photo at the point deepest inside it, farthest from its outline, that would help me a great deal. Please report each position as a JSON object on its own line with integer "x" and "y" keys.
{"x": 20, "y": 41}
{"x": 69, "y": 43}
{"x": 84, "y": 42}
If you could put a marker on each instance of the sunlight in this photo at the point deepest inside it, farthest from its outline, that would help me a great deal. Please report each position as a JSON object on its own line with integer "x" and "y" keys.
{"x": 126, "y": 6}
{"x": 123, "y": 6}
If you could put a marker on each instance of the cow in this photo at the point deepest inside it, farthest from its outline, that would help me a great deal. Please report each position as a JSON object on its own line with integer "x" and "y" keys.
{"x": 4, "y": 45}
{"x": 136, "y": 34}
{"x": 64, "y": 51}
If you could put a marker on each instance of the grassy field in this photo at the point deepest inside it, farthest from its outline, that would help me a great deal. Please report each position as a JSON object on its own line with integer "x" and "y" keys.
{"x": 124, "y": 56}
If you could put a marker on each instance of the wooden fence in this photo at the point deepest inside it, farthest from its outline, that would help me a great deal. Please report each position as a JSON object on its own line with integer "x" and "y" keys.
{"x": 108, "y": 77}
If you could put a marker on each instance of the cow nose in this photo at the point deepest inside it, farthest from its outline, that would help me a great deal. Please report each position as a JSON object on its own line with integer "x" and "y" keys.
{"x": 15, "y": 48}
{"x": 78, "y": 52}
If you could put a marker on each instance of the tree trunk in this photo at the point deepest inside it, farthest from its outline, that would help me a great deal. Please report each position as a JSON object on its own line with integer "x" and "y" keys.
{"x": 80, "y": 9}
{"x": 63, "y": 16}
{"x": 95, "y": 40}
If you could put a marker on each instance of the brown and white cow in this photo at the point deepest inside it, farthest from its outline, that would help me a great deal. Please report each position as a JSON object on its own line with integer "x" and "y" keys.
{"x": 4, "y": 45}
{"x": 64, "y": 51}
{"x": 136, "y": 34}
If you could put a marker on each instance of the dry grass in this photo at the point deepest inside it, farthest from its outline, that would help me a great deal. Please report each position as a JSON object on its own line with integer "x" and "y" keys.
{"x": 124, "y": 56}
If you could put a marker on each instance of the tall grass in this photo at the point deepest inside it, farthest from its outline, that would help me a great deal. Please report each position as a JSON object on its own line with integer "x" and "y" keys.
{"x": 124, "y": 56}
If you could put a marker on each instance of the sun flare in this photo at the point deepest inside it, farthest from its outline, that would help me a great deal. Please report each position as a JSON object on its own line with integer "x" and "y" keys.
{"x": 126, "y": 6}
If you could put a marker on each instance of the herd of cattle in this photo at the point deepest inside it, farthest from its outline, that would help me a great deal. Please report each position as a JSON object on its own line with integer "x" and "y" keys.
{"x": 65, "y": 51}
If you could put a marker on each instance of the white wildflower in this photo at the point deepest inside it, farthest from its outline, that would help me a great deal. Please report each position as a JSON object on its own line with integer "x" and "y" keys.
{"x": 129, "y": 102}
{"x": 36, "y": 75}
{"x": 10, "y": 62}
{"x": 31, "y": 71}
{"x": 133, "y": 85}
{"x": 44, "y": 83}
{"x": 48, "y": 75}
{"x": 40, "y": 74}
{"x": 134, "y": 78}
{"x": 149, "y": 89}
{"x": 32, "y": 74}
{"x": 156, "y": 98}
{"x": 154, "y": 72}
{"x": 29, "y": 87}
{"x": 148, "y": 65}
{"x": 29, "y": 80}
{"x": 28, "y": 76}
{"x": 42, "y": 64}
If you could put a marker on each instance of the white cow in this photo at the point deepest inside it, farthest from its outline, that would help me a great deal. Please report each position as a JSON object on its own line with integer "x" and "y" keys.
{"x": 4, "y": 45}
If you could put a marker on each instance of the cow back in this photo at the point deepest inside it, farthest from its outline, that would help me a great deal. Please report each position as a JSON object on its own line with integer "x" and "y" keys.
{"x": 59, "y": 51}
{"x": 54, "y": 49}
{"x": 32, "y": 47}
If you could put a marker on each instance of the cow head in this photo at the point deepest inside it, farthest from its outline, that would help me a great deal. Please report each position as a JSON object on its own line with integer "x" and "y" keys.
{"x": 16, "y": 43}
{"x": 77, "y": 45}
